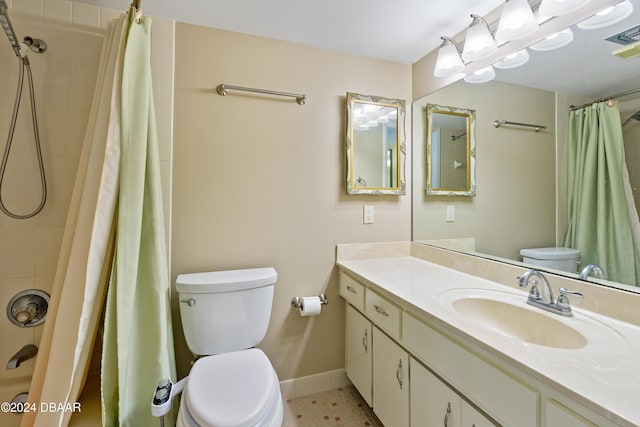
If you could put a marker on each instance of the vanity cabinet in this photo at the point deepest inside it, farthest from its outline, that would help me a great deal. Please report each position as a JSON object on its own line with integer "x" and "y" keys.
{"x": 414, "y": 373}
{"x": 358, "y": 340}
{"x": 433, "y": 403}
{"x": 390, "y": 381}
{"x": 557, "y": 414}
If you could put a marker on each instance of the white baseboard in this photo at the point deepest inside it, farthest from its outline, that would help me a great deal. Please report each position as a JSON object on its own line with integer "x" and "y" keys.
{"x": 304, "y": 386}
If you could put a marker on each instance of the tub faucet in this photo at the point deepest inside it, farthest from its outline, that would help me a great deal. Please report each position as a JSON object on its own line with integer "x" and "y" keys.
{"x": 25, "y": 353}
{"x": 541, "y": 295}
{"x": 592, "y": 269}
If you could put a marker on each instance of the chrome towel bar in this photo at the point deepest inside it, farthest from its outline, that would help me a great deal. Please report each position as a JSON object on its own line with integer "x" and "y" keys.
{"x": 537, "y": 128}
{"x": 223, "y": 90}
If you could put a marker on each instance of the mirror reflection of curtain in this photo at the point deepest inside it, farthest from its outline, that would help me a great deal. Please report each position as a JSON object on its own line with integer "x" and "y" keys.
{"x": 603, "y": 221}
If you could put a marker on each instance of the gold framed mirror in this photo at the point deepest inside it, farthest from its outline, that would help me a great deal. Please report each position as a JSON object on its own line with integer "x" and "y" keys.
{"x": 451, "y": 151}
{"x": 376, "y": 147}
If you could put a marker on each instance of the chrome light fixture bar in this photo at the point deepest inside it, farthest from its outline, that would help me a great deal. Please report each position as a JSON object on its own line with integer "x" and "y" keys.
{"x": 479, "y": 42}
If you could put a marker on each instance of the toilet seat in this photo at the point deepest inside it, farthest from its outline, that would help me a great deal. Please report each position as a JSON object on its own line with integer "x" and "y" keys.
{"x": 236, "y": 389}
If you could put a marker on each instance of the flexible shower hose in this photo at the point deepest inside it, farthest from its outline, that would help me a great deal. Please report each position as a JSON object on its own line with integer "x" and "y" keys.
{"x": 24, "y": 62}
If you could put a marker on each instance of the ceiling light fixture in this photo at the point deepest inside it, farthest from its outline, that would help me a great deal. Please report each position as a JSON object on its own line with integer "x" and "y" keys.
{"x": 554, "y": 41}
{"x": 483, "y": 75}
{"x": 560, "y": 7}
{"x": 448, "y": 62}
{"x": 608, "y": 16}
{"x": 516, "y": 21}
{"x": 479, "y": 42}
{"x": 514, "y": 60}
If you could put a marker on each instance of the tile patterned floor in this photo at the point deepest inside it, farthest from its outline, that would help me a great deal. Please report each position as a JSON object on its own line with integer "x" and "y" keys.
{"x": 342, "y": 407}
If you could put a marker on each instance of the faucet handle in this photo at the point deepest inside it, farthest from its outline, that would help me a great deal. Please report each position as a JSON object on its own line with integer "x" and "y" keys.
{"x": 563, "y": 301}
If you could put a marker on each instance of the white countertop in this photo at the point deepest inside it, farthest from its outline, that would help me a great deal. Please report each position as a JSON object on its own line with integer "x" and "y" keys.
{"x": 604, "y": 375}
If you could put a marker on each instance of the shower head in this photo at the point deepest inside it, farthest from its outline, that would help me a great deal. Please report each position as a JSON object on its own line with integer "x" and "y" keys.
{"x": 634, "y": 116}
{"x": 8, "y": 29}
{"x": 36, "y": 45}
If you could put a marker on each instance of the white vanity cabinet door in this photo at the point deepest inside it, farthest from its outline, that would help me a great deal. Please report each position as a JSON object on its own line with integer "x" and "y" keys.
{"x": 473, "y": 418}
{"x": 358, "y": 351}
{"x": 433, "y": 403}
{"x": 558, "y": 415}
{"x": 390, "y": 381}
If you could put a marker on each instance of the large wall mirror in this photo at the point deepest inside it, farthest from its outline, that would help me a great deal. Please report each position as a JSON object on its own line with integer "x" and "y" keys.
{"x": 451, "y": 151}
{"x": 521, "y": 173}
{"x": 376, "y": 145}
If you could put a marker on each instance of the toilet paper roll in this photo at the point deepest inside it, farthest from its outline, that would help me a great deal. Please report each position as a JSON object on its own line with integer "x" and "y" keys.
{"x": 310, "y": 306}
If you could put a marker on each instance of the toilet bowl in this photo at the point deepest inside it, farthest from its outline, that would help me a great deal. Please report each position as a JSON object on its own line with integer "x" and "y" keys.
{"x": 232, "y": 384}
{"x": 238, "y": 389}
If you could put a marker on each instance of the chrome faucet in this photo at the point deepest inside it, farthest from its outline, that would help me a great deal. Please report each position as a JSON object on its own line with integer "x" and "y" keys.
{"x": 541, "y": 295}
{"x": 597, "y": 271}
{"x": 25, "y": 353}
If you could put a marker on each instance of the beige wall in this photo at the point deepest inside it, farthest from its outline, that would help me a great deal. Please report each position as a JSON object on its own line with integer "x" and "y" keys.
{"x": 260, "y": 181}
{"x": 515, "y": 212}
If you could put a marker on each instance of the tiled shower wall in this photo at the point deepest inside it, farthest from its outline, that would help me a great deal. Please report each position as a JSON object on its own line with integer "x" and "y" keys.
{"x": 64, "y": 81}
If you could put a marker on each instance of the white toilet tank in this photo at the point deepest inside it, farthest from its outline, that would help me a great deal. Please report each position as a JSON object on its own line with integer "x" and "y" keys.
{"x": 225, "y": 311}
{"x": 564, "y": 259}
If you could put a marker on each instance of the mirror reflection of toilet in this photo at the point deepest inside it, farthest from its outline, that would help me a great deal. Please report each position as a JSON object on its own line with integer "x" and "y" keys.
{"x": 564, "y": 259}
{"x": 224, "y": 315}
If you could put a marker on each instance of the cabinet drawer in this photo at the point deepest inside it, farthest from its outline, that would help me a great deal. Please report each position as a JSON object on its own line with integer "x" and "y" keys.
{"x": 383, "y": 313}
{"x": 352, "y": 291}
{"x": 504, "y": 398}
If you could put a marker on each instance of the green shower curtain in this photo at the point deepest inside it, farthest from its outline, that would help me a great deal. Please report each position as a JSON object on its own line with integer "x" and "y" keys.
{"x": 138, "y": 341}
{"x": 600, "y": 219}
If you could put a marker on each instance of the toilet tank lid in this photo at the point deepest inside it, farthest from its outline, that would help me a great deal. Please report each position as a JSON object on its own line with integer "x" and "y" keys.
{"x": 550, "y": 253}
{"x": 227, "y": 280}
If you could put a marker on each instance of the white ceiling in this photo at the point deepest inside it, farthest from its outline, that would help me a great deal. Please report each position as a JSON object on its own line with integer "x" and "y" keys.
{"x": 396, "y": 30}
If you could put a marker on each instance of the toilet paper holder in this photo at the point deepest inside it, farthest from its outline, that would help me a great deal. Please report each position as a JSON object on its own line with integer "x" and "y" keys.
{"x": 297, "y": 301}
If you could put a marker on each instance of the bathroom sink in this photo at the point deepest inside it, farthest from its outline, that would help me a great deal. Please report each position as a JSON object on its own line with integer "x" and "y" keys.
{"x": 507, "y": 314}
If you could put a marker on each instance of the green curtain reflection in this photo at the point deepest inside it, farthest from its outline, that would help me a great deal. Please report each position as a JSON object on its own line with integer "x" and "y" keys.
{"x": 600, "y": 219}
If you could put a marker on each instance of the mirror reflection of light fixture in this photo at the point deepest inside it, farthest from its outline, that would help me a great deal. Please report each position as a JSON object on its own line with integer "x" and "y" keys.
{"x": 560, "y": 7}
{"x": 516, "y": 21}
{"x": 514, "y": 60}
{"x": 483, "y": 75}
{"x": 608, "y": 16}
{"x": 554, "y": 41}
{"x": 479, "y": 42}
{"x": 448, "y": 62}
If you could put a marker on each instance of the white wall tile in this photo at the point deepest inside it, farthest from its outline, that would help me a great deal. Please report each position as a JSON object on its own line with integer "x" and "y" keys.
{"x": 85, "y": 14}
{"x": 30, "y": 6}
{"x": 57, "y": 9}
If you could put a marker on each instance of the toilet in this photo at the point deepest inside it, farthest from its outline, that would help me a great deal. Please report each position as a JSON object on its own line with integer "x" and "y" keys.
{"x": 224, "y": 315}
{"x": 563, "y": 259}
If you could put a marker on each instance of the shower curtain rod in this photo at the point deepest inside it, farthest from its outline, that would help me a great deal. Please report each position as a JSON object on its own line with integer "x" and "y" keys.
{"x": 223, "y": 88}
{"x": 619, "y": 95}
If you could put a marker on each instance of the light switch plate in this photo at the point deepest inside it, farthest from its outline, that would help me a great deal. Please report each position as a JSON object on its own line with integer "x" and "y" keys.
{"x": 367, "y": 214}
